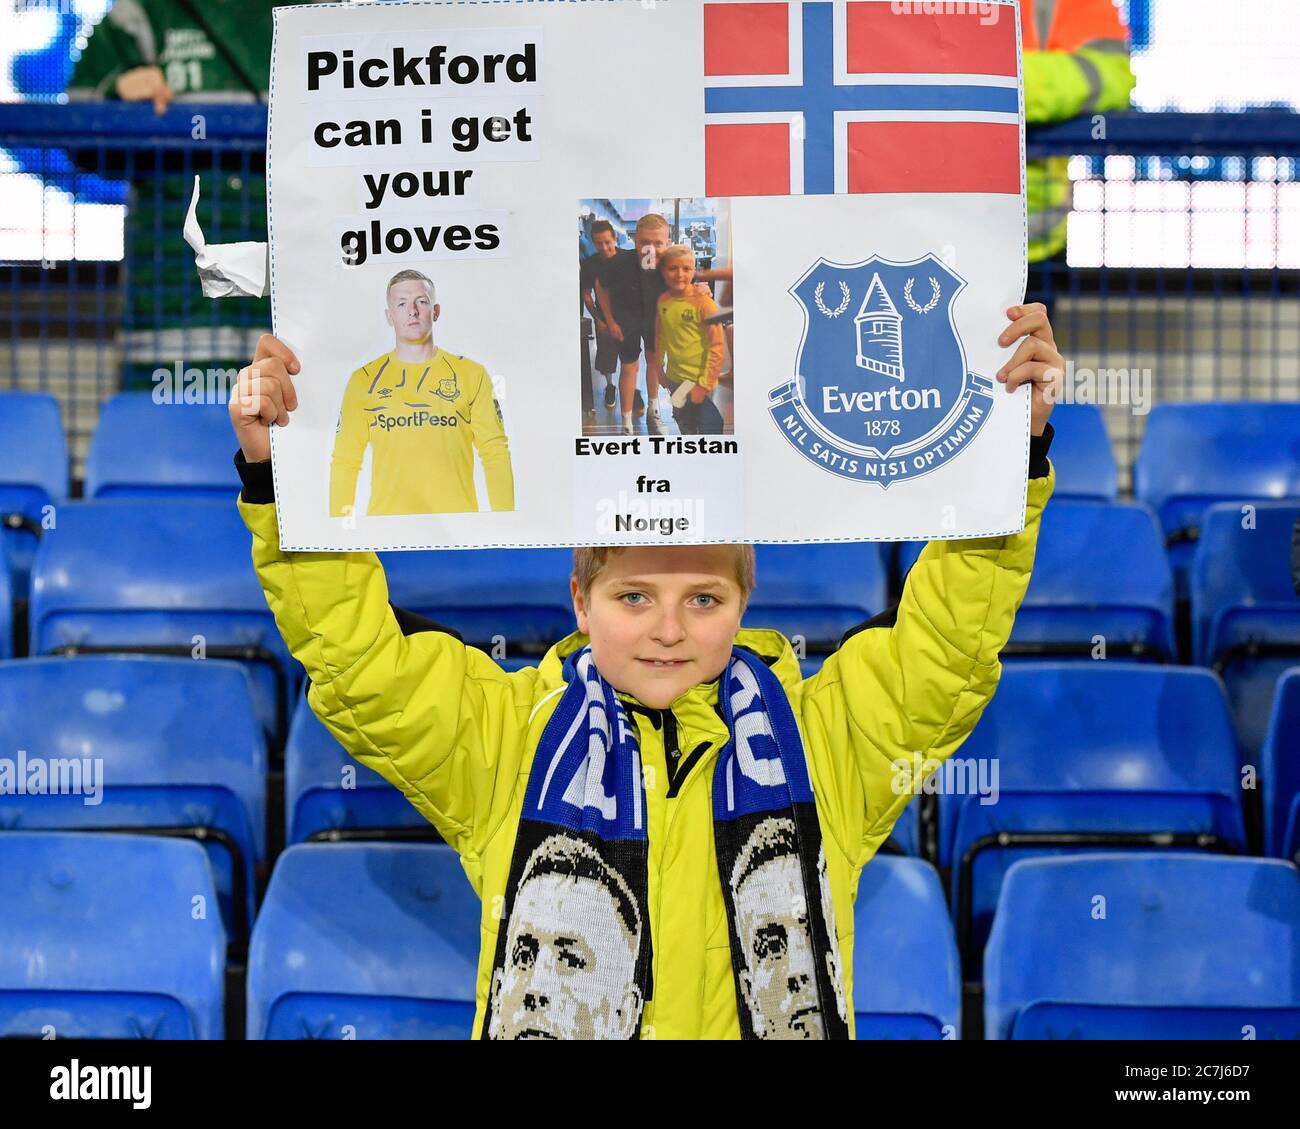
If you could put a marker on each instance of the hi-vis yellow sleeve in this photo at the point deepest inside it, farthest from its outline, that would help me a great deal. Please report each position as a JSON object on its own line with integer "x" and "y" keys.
{"x": 437, "y": 719}
{"x": 897, "y": 701}
{"x": 350, "y": 441}
{"x": 493, "y": 448}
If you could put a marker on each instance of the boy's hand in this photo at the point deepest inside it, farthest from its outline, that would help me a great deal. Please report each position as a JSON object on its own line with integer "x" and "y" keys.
{"x": 698, "y": 394}
{"x": 145, "y": 84}
{"x": 1036, "y": 361}
{"x": 263, "y": 395}
{"x": 616, "y": 331}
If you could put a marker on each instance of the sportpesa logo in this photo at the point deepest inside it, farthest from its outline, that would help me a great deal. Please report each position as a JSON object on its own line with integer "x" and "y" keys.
{"x": 881, "y": 391}
{"x": 390, "y": 421}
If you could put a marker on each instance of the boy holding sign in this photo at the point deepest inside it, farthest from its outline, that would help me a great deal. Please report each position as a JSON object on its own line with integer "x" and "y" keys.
{"x": 665, "y": 822}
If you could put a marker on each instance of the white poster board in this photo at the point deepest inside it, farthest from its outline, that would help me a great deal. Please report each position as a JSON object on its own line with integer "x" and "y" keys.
{"x": 853, "y": 171}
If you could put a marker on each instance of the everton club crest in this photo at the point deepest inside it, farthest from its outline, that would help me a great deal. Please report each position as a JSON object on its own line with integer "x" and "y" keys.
{"x": 881, "y": 390}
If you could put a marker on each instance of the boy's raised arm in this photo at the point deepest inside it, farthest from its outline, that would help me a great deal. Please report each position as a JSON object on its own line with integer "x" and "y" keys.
{"x": 439, "y": 720}
{"x": 905, "y": 689}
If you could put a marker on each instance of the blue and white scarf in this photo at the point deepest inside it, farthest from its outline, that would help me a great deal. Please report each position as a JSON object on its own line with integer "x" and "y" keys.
{"x": 574, "y": 954}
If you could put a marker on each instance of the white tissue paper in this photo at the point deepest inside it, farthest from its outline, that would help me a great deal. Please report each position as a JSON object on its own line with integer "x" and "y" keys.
{"x": 227, "y": 269}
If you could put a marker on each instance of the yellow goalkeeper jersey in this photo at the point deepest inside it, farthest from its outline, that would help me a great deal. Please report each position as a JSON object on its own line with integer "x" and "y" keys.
{"x": 422, "y": 421}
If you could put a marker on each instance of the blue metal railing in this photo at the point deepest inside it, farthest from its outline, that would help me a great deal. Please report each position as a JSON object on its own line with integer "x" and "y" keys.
{"x": 85, "y": 328}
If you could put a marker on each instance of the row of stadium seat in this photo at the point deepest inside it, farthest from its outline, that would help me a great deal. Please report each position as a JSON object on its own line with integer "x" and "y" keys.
{"x": 1139, "y": 755}
{"x": 134, "y": 575}
{"x": 1192, "y": 455}
{"x": 381, "y": 941}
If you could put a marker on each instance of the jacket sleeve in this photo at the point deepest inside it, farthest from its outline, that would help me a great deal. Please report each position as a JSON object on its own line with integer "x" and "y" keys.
{"x": 896, "y": 700}
{"x": 1065, "y": 84}
{"x": 122, "y": 40}
{"x": 350, "y": 441}
{"x": 437, "y": 719}
{"x": 717, "y": 344}
{"x": 493, "y": 448}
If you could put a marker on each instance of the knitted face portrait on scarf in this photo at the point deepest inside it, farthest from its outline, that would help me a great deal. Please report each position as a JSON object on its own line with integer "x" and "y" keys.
{"x": 779, "y": 980}
{"x": 571, "y": 950}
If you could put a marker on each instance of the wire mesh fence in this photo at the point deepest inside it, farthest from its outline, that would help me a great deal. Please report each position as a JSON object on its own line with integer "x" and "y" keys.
{"x": 1179, "y": 281}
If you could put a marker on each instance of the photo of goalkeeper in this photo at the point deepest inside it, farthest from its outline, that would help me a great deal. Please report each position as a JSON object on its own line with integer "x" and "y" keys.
{"x": 422, "y": 411}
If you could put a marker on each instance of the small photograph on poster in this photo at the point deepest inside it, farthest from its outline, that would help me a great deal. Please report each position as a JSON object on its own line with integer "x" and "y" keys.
{"x": 420, "y": 408}
{"x": 656, "y": 318}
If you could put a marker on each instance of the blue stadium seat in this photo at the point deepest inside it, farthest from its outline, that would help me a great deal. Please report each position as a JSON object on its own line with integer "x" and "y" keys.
{"x": 317, "y": 804}
{"x": 905, "y": 553}
{"x": 33, "y": 475}
{"x": 1245, "y": 612}
{"x": 1279, "y": 763}
{"x": 379, "y": 938}
{"x": 1145, "y": 946}
{"x": 905, "y": 838}
{"x": 1082, "y": 454}
{"x": 817, "y": 592}
{"x": 901, "y": 924}
{"x": 1099, "y": 750}
{"x": 519, "y": 599}
{"x": 131, "y": 575}
{"x": 176, "y": 744}
{"x": 1100, "y": 570}
{"x": 100, "y": 938}
{"x": 1196, "y": 454}
{"x": 144, "y": 449}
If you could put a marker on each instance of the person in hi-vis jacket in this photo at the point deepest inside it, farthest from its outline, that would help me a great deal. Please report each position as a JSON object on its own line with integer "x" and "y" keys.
{"x": 1076, "y": 63}
{"x": 422, "y": 410}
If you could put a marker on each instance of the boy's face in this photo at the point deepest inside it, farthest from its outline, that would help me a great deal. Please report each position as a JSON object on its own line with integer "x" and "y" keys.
{"x": 650, "y": 244}
{"x": 678, "y": 274}
{"x": 410, "y": 312}
{"x": 606, "y": 244}
{"x": 662, "y": 618}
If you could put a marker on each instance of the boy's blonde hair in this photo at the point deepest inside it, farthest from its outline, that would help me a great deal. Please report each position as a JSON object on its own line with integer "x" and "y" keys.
{"x": 588, "y": 563}
{"x": 677, "y": 251}
{"x": 651, "y": 220}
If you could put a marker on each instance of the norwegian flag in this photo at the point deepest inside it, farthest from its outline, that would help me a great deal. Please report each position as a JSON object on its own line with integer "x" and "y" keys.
{"x": 829, "y": 96}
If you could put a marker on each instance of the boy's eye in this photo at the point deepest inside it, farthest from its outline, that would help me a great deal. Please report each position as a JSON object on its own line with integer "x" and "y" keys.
{"x": 632, "y": 598}
{"x": 709, "y": 600}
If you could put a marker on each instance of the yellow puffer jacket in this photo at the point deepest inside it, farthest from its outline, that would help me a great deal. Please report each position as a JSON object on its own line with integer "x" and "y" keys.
{"x": 456, "y": 733}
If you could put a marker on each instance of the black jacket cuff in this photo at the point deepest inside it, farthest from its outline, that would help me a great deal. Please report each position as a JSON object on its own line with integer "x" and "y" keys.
{"x": 1039, "y": 467}
{"x": 259, "y": 485}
